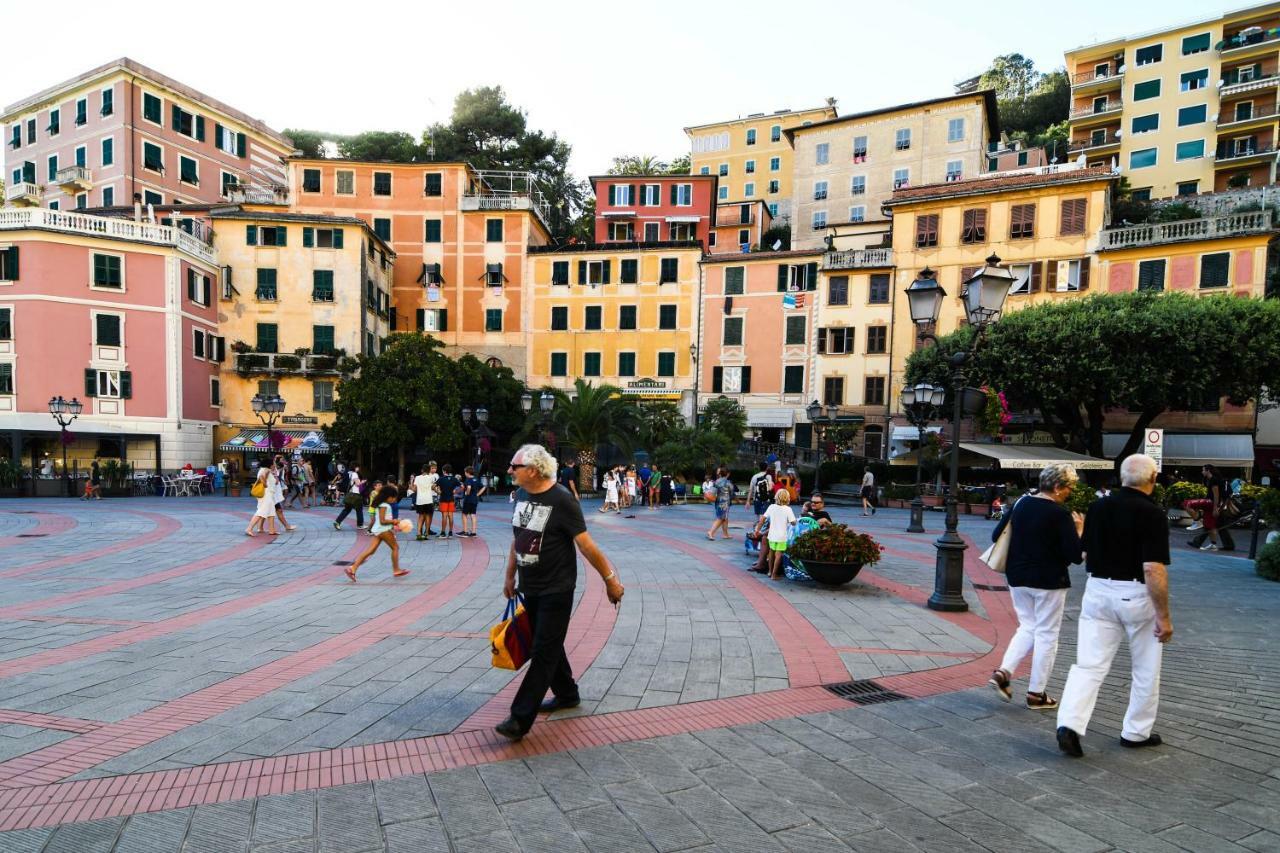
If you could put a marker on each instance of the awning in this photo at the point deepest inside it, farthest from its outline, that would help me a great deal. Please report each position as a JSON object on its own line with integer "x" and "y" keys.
{"x": 287, "y": 441}
{"x": 683, "y": 218}
{"x": 897, "y": 432}
{"x": 1008, "y": 457}
{"x": 771, "y": 418}
{"x": 1214, "y": 449}
{"x": 619, "y": 214}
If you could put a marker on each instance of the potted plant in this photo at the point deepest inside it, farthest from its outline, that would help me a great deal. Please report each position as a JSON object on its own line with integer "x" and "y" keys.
{"x": 833, "y": 555}
{"x": 10, "y": 479}
{"x": 241, "y": 347}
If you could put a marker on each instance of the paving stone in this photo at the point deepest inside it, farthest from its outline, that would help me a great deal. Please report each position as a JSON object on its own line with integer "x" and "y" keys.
{"x": 405, "y": 798}
{"x": 347, "y": 819}
{"x": 97, "y": 836}
{"x": 24, "y": 840}
{"x": 284, "y": 817}
{"x": 465, "y": 807}
{"x": 425, "y": 835}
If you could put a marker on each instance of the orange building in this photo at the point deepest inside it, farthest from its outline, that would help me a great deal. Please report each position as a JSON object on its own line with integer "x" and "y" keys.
{"x": 460, "y": 238}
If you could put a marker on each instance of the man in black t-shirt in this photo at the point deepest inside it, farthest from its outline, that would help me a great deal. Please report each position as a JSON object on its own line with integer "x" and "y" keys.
{"x": 548, "y": 532}
{"x": 817, "y": 510}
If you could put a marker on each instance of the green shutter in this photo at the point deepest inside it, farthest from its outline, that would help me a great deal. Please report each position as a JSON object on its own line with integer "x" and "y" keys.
{"x": 675, "y": 194}
{"x": 282, "y": 235}
{"x": 783, "y": 271}
{"x": 177, "y": 116}
{"x": 251, "y": 235}
{"x": 604, "y": 277}
{"x": 240, "y": 145}
{"x": 582, "y": 272}
{"x": 217, "y": 136}
{"x": 126, "y": 384}
{"x": 746, "y": 379}
{"x": 12, "y": 271}
{"x": 200, "y": 128}
{"x": 613, "y": 194}
{"x": 443, "y": 316}
{"x": 90, "y": 382}
{"x": 308, "y": 237}
{"x": 717, "y": 380}
{"x": 811, "y": 277}
{"x": 337, "y": 238}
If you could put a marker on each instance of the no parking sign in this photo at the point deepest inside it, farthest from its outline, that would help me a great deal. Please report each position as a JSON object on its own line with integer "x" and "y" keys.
{"x": 1153, "y": 446}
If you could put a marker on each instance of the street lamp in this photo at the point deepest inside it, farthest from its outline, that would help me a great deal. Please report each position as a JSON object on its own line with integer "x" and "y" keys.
{"x": 921, "y": 403}
{"x": 64, "y": 412}
{"x": 984, "y": 296}
{"x": 822, "y": 419}
{"x": 268, "y": 408}
{"x": 474, "y": 419}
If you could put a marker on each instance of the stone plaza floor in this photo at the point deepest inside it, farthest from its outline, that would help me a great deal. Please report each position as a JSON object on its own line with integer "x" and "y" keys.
{"x": 167, "y": 684}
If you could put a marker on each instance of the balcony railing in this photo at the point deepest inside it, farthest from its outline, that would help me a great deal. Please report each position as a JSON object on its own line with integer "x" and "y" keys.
{"x": 1243, "y": 40}
{"x": 1228, "y": 117}
{"x": 69, "y": 222}
{"x": 1230, "y": 154}
{"x": 1112, "y": 105}
{"x": 75, "y": 179}
{"x": 1229, "y": 86}
{"x": 1205, "y": 228}
{"x": 279, "y": 363}
{"x": 23, "y": 193}
{"x": 857, "y": 259}
{"x": 1086, "y": 77}
{"x": 1110, "y": 138}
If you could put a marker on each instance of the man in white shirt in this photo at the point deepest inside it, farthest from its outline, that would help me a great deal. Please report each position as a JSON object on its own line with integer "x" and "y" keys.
{"x": 424, "y": 499}
{"x": 868, "y": 493}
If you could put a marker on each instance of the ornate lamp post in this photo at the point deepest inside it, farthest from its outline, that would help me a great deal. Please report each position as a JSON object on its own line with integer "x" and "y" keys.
{"x": 474, "y": 419}
{"x": 64, "y": 412}
{"x": 823, "y": 419}
{"x": 268, "y": 408}
{"x": 921, "y": 404}
{"x": 546, "y": 403}
{"x": 984, "y": 295}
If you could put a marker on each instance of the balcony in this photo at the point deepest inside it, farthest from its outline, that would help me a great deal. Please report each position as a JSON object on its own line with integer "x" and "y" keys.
{"x": 1233, "y": 85}
{"x": 496, "y": 190}
{"x": 1095, "y": 144}
{"x": 23, "y": 194}
{"x": 1097, "y": 112}
{"x": 853, "y": 259}
{"x": 1232, "y": 156}
{"x": 75, "y": 179}
{"x": 1206, "y": 228}
{"x": 1248, "y": 42}
{"x": 1228, "y": 119}
{"x": 285, "y": 364}
{"x": 70, "y": 222}
{"x": 1097, "y": 81}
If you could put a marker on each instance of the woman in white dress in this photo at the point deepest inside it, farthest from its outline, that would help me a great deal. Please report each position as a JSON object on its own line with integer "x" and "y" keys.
{"x": 610, "y": 492}
{"x": 265, "y": 514}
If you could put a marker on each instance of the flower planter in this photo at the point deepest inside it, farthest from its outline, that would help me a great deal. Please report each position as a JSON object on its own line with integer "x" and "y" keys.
{"x": 932, "y": 500}
{"x": 829, "y": 574}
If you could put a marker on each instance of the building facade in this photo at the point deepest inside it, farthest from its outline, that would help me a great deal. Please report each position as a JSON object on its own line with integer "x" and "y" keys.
{"x": 751, "y": 157}
{"x": 654, "y": 208}
{"x": 123, "y": 130}
{"x": 740, "y": 227}
{"x": 846, "y": 167}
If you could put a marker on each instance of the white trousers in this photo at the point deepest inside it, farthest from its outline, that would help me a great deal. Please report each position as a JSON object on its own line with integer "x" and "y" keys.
{"x": 1039, "y": 621}
{"x": 1109, "y": 611}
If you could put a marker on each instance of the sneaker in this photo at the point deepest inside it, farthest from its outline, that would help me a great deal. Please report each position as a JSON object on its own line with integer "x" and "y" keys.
{"x": 1209, "y": 546}
{"x": 1069, "y": 742}
{"x": 337, "y": 525}
{"x": 1041, "y": 702}
{"x": 1199, "y": 525}
{"x": 1000, "y": 681}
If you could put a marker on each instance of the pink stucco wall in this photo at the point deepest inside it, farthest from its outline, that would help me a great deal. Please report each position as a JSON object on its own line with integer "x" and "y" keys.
{"x": 1121, "y": 278}
{"x": 1183, "y": 276}
{"x": 1244, "y": 267}
{"x": 196, "y": 372}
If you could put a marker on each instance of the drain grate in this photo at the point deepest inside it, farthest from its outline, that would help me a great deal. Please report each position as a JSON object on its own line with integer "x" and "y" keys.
{"x": 32, "y": 535}
{"x": 991, "y": 587}
{"x": 865, "y": 692}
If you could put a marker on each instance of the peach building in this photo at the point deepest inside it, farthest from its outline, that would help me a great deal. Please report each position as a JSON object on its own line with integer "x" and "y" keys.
{"x": 460, "y": 237}
{"x": 129, "y": 308}
{"x": 740, "y": 227}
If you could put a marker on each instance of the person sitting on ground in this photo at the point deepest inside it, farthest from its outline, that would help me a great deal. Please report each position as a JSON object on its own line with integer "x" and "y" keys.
{"x": 816, "y": 508}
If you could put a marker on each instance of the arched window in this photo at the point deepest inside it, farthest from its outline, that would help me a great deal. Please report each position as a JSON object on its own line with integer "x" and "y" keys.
{"x": 873, "y": 442}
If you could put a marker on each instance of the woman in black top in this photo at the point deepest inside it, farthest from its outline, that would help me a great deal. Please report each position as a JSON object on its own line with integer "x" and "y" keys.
{"x": 1045, "y": 539}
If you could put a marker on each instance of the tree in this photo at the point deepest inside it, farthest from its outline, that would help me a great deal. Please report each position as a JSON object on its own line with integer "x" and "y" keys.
{"x": 1076, "y": 362}
{"x": 682, "y": 165}
{"x": 1011, "y": 75}
{"x": 647, "y": 164}
{"x": 592, "y": 416}
{"x": 713, "y": 441}
{"x": 1033, "y": 106}
{"x": 725, "y": 417}
{"x": 394, "y": 146}
{"x": 309, "y": 142}
{"x": 658, "y": 423}
{"x": 780, "y": 234}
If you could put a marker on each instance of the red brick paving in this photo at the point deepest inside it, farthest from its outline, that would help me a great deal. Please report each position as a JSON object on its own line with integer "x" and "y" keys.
{"x": 48, "y": 721}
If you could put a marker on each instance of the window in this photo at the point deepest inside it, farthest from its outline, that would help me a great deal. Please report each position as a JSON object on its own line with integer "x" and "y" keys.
{"x": 667, "y": 316}
{"x": 228, "y": 141}
{"x": 874, "y": 395}
{"x": 493, "y": 319}
{"x": 432, "y": 232}
{"x": 266, "y": 287}
{"x": 149, "y": 197}
{"x": 215, "y": 391}
{"x": 108, "y": 271}
{"x": 902, "y": 139}
{"x": 627, "y": 317}
{"x": 31, "y": 131}
{"x": 108, "y": 151}
{"x": 704, "y": 170}
{"x": 382, "y": 183}
{"x": 433, "y": 184}
{"x": 751, "y": 136}
{"x": 773, "y": 208}
{"x": 1151, "y": 275}
{"x": 311, "y": 180}
{"x": 322, "y": 238}
{"x": 819, "y": 220}
{"x": 493, "y": 230}
{"x": 629, "y": 271}
{"x": 819, "y": 190}
{"x": 723, "y": 193}
{"x": 724, "y": 170}
{"x": 267, "y": 235}
{"x": 55, "y": 122}
{"x": 1146, "y": 91}
{"x": 859, "y": 149}
{"x": 1068, "y": 276}
{"x": 795, "y": 334}
{"x": 901, "y": 178}
{"x": 1189, "y": 188}
{"x": 559, "y": 318}
{"x": 666, "y": 364}
{"x": 822, "y": 154}
{"x": 620, "y": 232}
{"x": 1195, "y": 44}
{"x": 322, "y": 340}
{"x": 773, "y": 187}
{"x": 732, "y": 335}
{"x": 668, "y": 270}
{"x": 1143, "y": 194}
{"x": 436, "y": 320}
{"x": 559, "y": 272}
{"x": 748, "y": 190}
{"x": 835, "y": 341}
{"x": 188, "y": 124}
{"x": 322, "y": 396}
{"x": 974, "y": 225}
{"x": 346, "y": 182}
{"x": 106, "y": 330}
{"x": 833, "y": 391}
{"x": 1148, "y": 55}
{"x": 1072, "y": 217}
{"x": 775, "y": 163}
{"x": 838, "y": 290}
{"x": 877, "y": 339}
{"x": 793, "y": 379}
{"x": 188, "y": 171}
{"x": 1026, "y": 278}
{"x": 1193, "y": 80}
{"x": 152, "y": 157}
{"x": 82, "y": 201}
{"x": 858, "y": 185}
{"x": 559, "y": 364}
{"x": 1146, "y": 124}
{"x": 268, "y": 338}
{"x": 108, "y": 196}
{"x": 82, "y": 111}
{"x": 1191, "y": 150}
{"x": 592, "y": 319}
{"x": 15, "y": 141}
{"x": 955, "y": 170}
{"x": 108, "y": 102}
{"x": 322, "y": 286}
{"x": 926, "y": 230}
{"x": 1022, "y": 221}
{"x": 955, "y": 130}
{"x": 858, "y": 213}
{"x": 382, "y": 229}
{"x": 626, "y": 364}
{"x": 593, "y": 272}
{"x": 682, "y": 194}
{"x": 1213, "y": 269}
{"x": 775, "y": 133}
{"x": 199, "y": 288}
{"x": 1244, "y": 111}
{"x": 1142, "y": 158}
{"x": 750, "y": 167}
{"x": 112, "y": 384}
{"x": 53, "y": 168}
{"x": 591, "y": 364}
{"x": 878, "y": 289}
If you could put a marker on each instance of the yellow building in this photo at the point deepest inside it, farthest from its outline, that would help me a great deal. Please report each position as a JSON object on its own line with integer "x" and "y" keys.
{"x": 846, "y": 167}
{"x": 298, "y": 291}
{"x": 620, "y": 315}
{"x": 1186, "y": 110}
{"x": 752, "y": 156}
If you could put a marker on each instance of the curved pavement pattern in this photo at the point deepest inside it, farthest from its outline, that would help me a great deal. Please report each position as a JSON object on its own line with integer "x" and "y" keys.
{"x": 168, "y": 684}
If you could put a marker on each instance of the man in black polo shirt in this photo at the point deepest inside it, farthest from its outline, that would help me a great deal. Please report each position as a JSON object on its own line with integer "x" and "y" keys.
{"x": 1126, "y": 538}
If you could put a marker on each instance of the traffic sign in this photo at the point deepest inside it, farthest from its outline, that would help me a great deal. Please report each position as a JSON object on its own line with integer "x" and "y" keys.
{"x": 1153, "y": 446}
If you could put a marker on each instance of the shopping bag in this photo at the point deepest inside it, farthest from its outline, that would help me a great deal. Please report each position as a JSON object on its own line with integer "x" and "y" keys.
{"x": 998, "y": 554}
{"x": 512, "y": 638}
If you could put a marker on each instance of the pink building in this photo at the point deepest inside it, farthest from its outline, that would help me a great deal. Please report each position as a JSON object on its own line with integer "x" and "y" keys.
{"x": 655, "y": 208}
{"x": 119, "y": 313}
{"x": 122, "y": 130}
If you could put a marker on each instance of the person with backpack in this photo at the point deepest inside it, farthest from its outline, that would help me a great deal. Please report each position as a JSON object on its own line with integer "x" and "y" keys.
{"x": 353, "y": 499}
{"x": 761, "y": 490}
{"x": 724, "y": 490}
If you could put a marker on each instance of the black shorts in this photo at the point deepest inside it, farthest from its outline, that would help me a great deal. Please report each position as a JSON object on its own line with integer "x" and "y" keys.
{"x": 469, "y": 509}
{"x": 425, "y": 509}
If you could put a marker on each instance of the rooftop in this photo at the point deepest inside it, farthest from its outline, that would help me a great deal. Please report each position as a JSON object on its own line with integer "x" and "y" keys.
{"x": 989, "y": 95}
{"x": 571, "y": 248}
{"x": 256, "y": 213}
{"x": 1002, "y": 182}
{"x": 740, "y": 257}
{"x": 1260, "y": 9}
{"x": 759, "y": 116}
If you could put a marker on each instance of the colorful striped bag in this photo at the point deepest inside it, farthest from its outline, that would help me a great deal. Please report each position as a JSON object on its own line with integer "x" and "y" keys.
{"x": 512, "y": 638}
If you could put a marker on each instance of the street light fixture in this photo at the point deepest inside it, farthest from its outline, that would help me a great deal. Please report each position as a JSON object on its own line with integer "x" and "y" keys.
{"x": 921, "y": 403}
{"x": 984, "y": 296}
{"x": 268, "y": 408}
{"x": 64, "y": 412}
{"x": 474, "y": 419}
{"x": 823, "y": 419}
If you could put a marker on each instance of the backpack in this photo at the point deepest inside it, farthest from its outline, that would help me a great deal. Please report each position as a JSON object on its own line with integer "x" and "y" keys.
{"x": 763, "y": 493}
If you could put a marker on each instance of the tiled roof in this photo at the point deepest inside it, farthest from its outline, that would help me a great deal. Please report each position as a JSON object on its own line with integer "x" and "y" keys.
{"x": 998, "y": 183}
{"x": 570, "y": 248}
{"x": 988, "y": 95}
{"x": 236, "y": 212}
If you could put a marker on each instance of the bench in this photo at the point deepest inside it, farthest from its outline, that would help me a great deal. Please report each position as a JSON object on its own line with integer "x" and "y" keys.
{"x": 843, "y": 494}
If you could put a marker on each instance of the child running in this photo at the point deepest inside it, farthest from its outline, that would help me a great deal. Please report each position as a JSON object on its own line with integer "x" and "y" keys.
{"x": 373, "y": 504}
{"x": 447, "y": 485}
{"x": 472, "y": 488}
{"x": 384, "y": 530}
{"x": 781, "y": 519}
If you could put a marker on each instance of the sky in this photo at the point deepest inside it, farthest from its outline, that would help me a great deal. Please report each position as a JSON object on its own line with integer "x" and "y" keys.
{"x": 609, "y": 79}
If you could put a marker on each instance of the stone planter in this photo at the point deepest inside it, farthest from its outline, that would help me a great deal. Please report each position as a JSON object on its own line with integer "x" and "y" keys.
{"x": 932, "y": 500}
{"x": 829, "y": 574}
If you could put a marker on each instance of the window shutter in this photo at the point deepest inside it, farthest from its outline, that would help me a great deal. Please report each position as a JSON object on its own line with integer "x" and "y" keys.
{"x": 191, "y": 286}
{"x": 206, "y": 289}
{"x": 811, "y": 276}
{"x": 746, "y": 379}
{"x": 251, "y": 235}
{"x": 1051, "y": 284}
{"x": 177, "y": 116}
{"x": 240, "y": 145}
{"x": 126, "y": 384}
{"x": 308, "y": 238}
{"x": 221, "y": 349}
{"x": 822, "y": 341}
{"x": 443, "y": 316}
{"x": 613, "y": 194}
{"x": 1084, "y": 273}
{"x": 675, "y": 194}
{"x": 91, "y": 382}
{"x": 337, "y": 238}
{"x": 282, "y": 235}
{"x": 421, "y": 315}
{"x": 1034, "y": 287}
{"x": 217, "y": 136}
{"x": 200, "y": 128}
{"x": 848, "y": 339}
{"x": 783, "y": 271}
{"x": 582, "y": 272}
{"x": 604, "y": 276}
{"x": 12, "y": 271}
{"x": 717, "y": 380}
{"x": 634, "y": 197}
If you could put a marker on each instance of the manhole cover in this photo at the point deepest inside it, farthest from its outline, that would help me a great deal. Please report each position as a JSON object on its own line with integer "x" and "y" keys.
{"x": 342, "y": 563}
{"x": 31, "y": 535}
{"x": 991, "y": 587}
{"x": 864, "y": 692}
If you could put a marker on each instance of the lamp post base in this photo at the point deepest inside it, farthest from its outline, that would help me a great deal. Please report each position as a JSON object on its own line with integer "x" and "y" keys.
{"x": 948, "y": 577}
{"x": 917, "y": 516}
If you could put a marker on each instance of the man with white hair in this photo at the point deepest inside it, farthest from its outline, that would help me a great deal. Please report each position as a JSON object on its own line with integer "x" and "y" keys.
{"x": 549, "y": 531}
{"x": 1126, "y": 540}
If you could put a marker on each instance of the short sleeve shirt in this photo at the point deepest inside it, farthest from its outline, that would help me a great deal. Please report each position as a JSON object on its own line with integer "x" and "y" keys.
{"x": 724, "y": 492}
{"x": 473, "y": 485}
{"x": 447, "y": 484}
{"x": 1123, "y": 531}
{"x": 544, "y": 527}
{"x": 424, "y": 489}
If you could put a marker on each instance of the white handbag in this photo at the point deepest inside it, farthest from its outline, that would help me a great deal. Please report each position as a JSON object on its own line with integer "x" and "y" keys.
{"x": 998, "y": 554}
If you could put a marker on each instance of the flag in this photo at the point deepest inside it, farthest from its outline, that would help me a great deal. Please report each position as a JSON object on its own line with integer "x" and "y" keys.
{"x": 799, "y": 300}
{"x": 788, "y": 300}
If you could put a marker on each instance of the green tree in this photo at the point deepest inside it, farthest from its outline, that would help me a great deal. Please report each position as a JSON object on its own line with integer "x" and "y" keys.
{"x": 776, "y": 234}
{"x": 1012, "y": 75}
{"x": 647, "y": 164}
{"x": 1033, "y": 106}
{"x": 658, "y": 423}
{"x": 725, "y": 417}
{"x": 593, "y": 415}
{"x": 309, "y": 142}
{"x": 394, "y": 146}
{"x": 694, "y": 450}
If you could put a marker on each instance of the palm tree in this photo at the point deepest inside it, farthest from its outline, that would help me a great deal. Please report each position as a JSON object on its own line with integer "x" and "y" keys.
{"x": 592, "y": 416}
{"x": 659, "y": 422}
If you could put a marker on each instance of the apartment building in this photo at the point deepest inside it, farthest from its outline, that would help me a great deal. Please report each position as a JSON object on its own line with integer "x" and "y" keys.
{"x": 1183, "y": 110}
{"x": 626, "y": 315}
{"x": 123, "y": 130}
{"x": 846, "y": 167}
{"x": 751, "y": 157}
{"x": 120, "y": 314}
{"x": 653, "y": 208}
{"x": 296, "y": 293}
{"x": 740, "y": 226}
{"x": 460, "y": 237}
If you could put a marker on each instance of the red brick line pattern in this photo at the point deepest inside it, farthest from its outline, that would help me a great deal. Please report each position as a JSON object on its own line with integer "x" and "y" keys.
{"x": 48, "y": 721}
{"x": 48, "y": 524}
{"x": 863, "y": 650}
{"x": 58, "y": 761}
{"x": 82, "y": 620}
{"x": 165, "y": 526}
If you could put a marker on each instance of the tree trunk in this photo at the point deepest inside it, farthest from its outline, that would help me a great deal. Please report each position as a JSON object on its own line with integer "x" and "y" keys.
{"x": 1093, "y": 433}
{"x": 1134, "y": 440}
{"x": 400, "y": 463}
{"x": 586, "y": 470}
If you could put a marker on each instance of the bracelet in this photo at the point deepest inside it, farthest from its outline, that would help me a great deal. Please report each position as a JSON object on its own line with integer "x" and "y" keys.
{"x": 610, "y": 576}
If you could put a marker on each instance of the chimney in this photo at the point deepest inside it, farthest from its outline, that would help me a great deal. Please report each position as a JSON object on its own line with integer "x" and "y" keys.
{"x": 137, "y": 207}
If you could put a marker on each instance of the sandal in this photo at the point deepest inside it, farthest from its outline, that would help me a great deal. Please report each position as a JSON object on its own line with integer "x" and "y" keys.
{"x": 1000, "y": 681}
{"x": 350, "y": 573}
{"x": 1041, "y": 702}
{"x": 290, "y": 527}
{"x": 400, "y": 573}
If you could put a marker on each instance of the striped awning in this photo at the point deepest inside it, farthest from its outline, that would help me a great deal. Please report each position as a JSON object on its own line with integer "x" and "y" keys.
{"x": 285, "y": 441}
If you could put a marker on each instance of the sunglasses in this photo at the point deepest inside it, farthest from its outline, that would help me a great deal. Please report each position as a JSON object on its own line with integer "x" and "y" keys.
{"x": 514, "y": 465}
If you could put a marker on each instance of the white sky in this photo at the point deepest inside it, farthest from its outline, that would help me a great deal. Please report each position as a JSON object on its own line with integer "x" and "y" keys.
{"x": 609, "y": 78}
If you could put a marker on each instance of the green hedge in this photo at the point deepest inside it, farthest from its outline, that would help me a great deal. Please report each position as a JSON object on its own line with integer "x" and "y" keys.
{"x": 1268, "y": 563}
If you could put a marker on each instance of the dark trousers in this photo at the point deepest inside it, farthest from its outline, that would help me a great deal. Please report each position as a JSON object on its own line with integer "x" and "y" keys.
{"x": 548, "y": 665}
{"x": 346, "y": 510}
{"x": 1224, "y": 534}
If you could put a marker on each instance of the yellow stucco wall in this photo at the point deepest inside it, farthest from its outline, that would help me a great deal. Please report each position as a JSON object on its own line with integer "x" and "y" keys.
{"x": 860, "y": 314}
